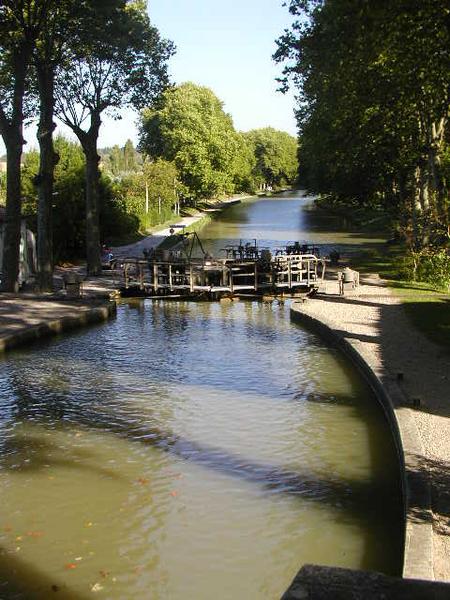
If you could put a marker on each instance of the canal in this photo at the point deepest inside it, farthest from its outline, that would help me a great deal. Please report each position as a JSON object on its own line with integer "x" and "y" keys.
{"x": 193, "y": 450}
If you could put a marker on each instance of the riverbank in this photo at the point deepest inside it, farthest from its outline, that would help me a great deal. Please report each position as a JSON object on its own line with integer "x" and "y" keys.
{"x": 414, "y": 372}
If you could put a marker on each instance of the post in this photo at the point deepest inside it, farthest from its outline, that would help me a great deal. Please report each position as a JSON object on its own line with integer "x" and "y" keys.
{"x": 159, "y": 205}
{"x": 289, "y": 274}
{"x": 141, "y": 275}
{"x": 146, "y": 197}
{"x": 155, "y": 278}
{"x": 256, "y": 276}
{"x": 170, "y": 276}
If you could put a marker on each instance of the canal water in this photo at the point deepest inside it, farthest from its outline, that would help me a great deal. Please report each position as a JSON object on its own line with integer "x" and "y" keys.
{"x": 192, "y": 450}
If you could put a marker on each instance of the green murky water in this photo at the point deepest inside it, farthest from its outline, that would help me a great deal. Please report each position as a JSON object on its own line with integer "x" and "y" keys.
{"x": 191, "y": 450}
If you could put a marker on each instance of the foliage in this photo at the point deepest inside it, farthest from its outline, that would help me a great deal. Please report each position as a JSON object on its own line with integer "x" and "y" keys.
{"x": 69, "y": 222}
{"x": 118, "y": 162}
{"x": 154, "y": 188}
{"x": 373, "y": 86}
{"x": 276, "y": 156}
{"x": 2, "y": 188}
{"x": 189, "y": 127}
{"x": 429, "y": 266}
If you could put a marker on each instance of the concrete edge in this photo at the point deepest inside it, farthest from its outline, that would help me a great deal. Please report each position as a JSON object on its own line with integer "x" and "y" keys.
{"x": 314, "y": 582}
{"x": 418, "y": 540}
{"x": 87, "y": 316}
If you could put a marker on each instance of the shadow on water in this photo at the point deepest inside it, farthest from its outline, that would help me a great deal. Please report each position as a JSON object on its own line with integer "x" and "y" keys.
{"x": 352, "y": 499}
{"x": 355, "y": 497}
{"x": 20, "y": 580}
{"x": 24, "y": 453}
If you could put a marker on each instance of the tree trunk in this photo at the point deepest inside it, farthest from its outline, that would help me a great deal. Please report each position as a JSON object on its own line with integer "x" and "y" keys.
{"x": 11, "y": 243}
{"x": 436, "y": 139}
{"x": 11, "y": 129}
{"x": 89, "y": 144}
{"x": 45, "y": 178}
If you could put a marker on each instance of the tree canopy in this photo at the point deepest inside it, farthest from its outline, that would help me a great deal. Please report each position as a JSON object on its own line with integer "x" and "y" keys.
{"x": 188, "y": 125}
{"x": 276, "y": 156}
{"x": 373, "y": 82}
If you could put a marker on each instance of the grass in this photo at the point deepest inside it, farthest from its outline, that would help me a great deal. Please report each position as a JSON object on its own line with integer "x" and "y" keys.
{"x": 428, "y": 308}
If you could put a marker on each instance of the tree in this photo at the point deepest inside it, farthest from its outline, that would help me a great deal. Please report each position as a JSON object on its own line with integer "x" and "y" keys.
{"x": 373, "y": 81}
{"x": 118, "y": 162}
{"x": 17, "y": 32}
{"x": 66, "y": 25}
{"x": 276, "y": 156}
{"x": 151, "y": 194}
{"x": 120, "y": 61}
{"x": 69, "y": 218}
{"x": 189, "y": 127}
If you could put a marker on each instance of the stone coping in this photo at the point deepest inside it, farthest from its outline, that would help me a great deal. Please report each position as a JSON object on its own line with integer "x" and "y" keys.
{"x": 80, "y": 315}
{"x": 418, "y": 541}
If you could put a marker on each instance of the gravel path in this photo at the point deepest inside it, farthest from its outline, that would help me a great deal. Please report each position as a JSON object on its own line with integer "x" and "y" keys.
{"x": 152, "y": 241}
{"x": 377, "y": 324}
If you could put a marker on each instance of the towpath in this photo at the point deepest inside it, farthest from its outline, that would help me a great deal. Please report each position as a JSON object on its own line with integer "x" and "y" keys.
{"x": 152, "y": 241}
{"x": 375, "y": 323}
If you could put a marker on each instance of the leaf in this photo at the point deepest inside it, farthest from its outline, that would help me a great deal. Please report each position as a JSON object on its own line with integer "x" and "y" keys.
{"x": 69, "y": 566}
{"x": 35, "y": 534}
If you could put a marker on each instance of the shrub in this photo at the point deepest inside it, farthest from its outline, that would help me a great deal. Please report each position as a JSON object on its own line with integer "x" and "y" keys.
{"x": 429, "y": 266}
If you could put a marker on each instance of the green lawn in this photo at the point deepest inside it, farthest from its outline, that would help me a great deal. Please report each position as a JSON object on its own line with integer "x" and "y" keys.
{"x": 427, "y": 308}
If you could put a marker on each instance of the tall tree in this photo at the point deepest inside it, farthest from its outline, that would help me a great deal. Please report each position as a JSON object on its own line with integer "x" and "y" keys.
{"x": 373, "y": 81}
{"x": 65, "y": 22}
{"x": 189, "y": 127}
{"x": 18, "y": 24}
{"x": 120, "y": 61}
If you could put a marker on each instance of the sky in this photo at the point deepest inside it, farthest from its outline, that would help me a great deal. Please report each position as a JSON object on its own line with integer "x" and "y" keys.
{"x": 226, "y": 46}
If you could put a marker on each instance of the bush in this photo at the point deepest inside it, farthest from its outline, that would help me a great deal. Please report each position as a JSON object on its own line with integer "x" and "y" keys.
{"x": 429, "y": 266}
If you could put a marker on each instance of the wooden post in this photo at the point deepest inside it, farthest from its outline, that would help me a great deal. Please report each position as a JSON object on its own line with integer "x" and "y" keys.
{"x": 191, "y": 278}
{"x": 289, "y": 274}
{"x": 141, "y": 275}
{"x": 170, "y": 276}
{"x": 256, "y": 276}
{"x": 155, "y": 277}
